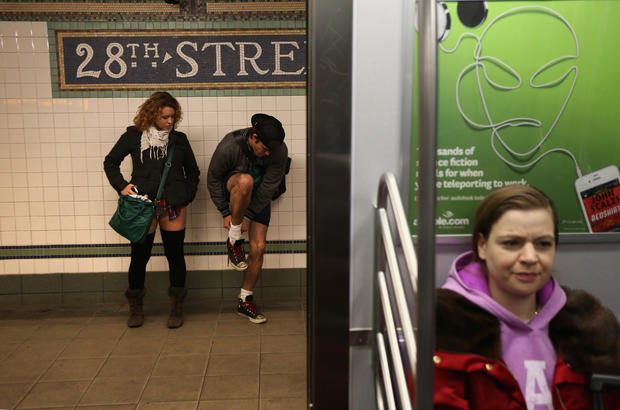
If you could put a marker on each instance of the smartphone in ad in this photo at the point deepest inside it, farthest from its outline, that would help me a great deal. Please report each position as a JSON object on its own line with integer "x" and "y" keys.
{"x": 599, "y": 196}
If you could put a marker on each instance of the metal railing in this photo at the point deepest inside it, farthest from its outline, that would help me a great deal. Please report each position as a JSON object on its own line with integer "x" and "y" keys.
{"x": 395, "y": 300}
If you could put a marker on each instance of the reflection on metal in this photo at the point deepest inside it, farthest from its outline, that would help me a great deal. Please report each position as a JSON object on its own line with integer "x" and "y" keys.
{"x": 395, "y": 299}
{"x": 427, "y": 156}
{"x": 329, "y": 201}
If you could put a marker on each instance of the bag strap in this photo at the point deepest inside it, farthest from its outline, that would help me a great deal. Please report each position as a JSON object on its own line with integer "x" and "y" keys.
{"x": 167, "y": 166}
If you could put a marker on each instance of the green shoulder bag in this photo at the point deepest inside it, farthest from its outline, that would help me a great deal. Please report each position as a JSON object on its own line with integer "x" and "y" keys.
{"x": 133, "y": 216}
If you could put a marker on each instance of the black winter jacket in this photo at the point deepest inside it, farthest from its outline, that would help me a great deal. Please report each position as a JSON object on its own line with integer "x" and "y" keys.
{"x": 232, "y": 157}
{"x": 182, "y": 182}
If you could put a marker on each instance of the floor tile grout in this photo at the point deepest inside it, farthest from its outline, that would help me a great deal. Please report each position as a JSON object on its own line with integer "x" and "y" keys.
{"x": 56, "y": 322}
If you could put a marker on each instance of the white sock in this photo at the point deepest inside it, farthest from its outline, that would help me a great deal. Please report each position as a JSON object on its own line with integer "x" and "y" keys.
{"x": 244, "y": 293}
{"x": 234, "y": 233}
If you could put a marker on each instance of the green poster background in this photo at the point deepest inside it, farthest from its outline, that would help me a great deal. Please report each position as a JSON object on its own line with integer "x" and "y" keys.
{"x": 527, "y": 37}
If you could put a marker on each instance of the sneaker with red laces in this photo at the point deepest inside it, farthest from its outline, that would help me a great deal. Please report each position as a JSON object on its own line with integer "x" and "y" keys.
{"x": 250, "y": 310}
{"x": 236, "y": 255}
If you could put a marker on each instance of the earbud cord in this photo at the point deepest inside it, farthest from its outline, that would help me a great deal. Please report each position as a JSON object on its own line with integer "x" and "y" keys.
{"x": 520, "y": 121}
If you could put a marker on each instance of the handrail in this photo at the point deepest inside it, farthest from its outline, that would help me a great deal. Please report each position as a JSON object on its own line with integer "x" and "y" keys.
{"x": 401, "y": 379}
{"x": 388, "y": 189}
{"x": 397, "y": 367}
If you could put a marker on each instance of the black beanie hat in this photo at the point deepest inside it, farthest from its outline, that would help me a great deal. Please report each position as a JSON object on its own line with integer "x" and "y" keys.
{"x": 268, "y": 129}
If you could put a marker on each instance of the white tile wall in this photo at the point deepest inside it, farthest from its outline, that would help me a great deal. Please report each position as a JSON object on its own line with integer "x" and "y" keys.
{"x": 52, "y": 186}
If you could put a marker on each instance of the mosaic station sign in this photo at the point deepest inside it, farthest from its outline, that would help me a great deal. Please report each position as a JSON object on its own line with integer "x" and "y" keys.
{"x": 199, "y": 59}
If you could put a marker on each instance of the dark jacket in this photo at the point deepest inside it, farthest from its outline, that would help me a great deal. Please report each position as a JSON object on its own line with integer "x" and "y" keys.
{"x": 232, "y": 156}
{"x": 182, "y": 182}
{"x": 470, "y": 372}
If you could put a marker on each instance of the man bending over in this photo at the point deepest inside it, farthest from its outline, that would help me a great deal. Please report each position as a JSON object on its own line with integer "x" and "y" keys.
{"x": 244, "y": 175}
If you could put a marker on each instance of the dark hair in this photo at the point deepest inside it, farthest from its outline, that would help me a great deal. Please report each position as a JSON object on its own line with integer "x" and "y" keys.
{"x": 268, "y": 130}
{"x": 496, "y": 203}
{"x": 148, "y": 111}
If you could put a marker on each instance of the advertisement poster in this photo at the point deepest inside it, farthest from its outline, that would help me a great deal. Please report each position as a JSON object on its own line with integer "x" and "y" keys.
{"x": 528, "y": 93}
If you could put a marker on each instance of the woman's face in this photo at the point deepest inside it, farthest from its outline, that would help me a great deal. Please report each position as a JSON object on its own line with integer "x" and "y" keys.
{"x": 165, "y": 118}
{"x": 519, "y": 253}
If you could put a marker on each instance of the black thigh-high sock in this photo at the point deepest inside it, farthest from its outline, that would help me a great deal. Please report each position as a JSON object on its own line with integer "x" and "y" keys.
{"x": 173, "y": 248}
{"x": 140, "y": 255}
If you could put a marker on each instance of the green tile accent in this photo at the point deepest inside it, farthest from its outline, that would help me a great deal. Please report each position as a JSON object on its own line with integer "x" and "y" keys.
{"x": 42, "y": 299}
{"x": 202, "y": 294}
{"x": 204, "y": 279}
{"x": 281, "y": 292}
{"x": 113, "y": 297}
{"x": 232, "y": 293}
{"x": 10, "y": 284}
{"x": 304, "y": 277}
{"x": 124, "y": 250}
{"x": 41, "y": 283}
{"x": 82, "y": 298}
{"x": 231, "y": 278}
{"x": 109, "y": 287}
{"x": 157, "y": 280}
{"x": 82, "y": 282}
{"x": 10, "y": 300}
{"x": 158, "y": 294}
{"x": 280, "y": 277}
{"x": 115, "y": 281}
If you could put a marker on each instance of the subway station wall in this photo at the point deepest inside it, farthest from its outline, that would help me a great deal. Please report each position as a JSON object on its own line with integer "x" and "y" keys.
{"x": 55, "y": 200}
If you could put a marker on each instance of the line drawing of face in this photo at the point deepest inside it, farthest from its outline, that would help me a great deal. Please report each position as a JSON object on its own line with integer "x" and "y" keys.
{"x": 485, "y": 67}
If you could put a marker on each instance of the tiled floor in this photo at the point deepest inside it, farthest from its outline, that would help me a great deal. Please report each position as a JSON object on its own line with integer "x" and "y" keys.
{"x": 85, "y": 357}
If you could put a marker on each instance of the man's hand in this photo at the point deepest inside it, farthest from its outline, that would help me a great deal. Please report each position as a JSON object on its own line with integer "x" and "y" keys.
{"x": 227, "y": 220}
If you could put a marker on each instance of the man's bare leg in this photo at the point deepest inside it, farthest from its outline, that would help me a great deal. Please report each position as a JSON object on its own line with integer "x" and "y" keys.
{"x": 258, "y": 239}
{"x": 240, "y": 188}
{"x": 247, "y": 307}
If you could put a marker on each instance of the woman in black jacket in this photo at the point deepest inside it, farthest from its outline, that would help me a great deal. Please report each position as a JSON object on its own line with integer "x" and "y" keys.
{"x": 148, "y": 142}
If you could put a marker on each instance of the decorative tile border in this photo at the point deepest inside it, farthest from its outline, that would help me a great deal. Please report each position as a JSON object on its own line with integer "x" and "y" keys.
{"x": 180, "y": 59}
{"x": 124, "y": 250}
{"x": 98, "y": 8}
{"x": 158, "y": 10}
{"x": 109, "y": 287}
{"x": 54, "y": 27}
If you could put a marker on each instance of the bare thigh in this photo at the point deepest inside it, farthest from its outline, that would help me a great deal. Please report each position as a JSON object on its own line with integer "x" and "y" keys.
{"x": 178, "y": 224}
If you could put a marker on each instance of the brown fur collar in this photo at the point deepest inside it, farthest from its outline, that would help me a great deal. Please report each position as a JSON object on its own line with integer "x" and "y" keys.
{"x": 584, "y": 332}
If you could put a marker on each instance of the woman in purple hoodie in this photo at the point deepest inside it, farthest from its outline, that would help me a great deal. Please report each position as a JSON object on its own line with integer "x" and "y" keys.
{"x": 508, "y": 335}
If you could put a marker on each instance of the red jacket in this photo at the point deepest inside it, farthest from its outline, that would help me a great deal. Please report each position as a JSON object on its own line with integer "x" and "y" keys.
{"x": 465, "y": 381}
{"x": 470, "y": 374}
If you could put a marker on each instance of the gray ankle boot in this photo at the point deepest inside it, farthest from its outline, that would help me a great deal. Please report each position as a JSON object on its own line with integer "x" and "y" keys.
{"x": 177, "y": 296}
{"x": 136, "y": 314}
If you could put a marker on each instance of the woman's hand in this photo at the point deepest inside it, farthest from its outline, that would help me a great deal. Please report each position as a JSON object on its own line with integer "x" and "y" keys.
{"x": 127, "y": 190}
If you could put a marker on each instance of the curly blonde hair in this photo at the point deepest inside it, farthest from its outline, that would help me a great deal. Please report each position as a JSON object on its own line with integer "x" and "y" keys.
{"x": 149, "y": 110}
